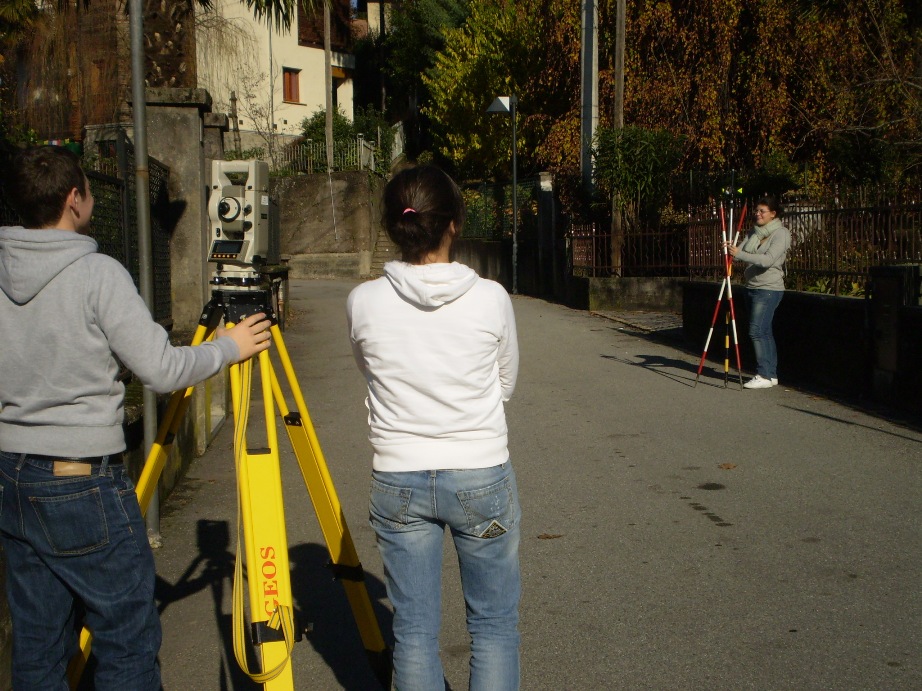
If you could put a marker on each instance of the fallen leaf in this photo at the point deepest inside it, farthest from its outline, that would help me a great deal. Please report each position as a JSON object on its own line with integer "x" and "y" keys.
{"x": 548, "y": 536}
{"x": 727, "y": 466}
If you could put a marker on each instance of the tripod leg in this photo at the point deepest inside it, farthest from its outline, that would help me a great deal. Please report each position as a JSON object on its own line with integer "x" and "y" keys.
{"x": 344, "y": 559}
{"x": 704, "y": 354}
{"x": 736, "y": 342}
{"x": 265, "y": 543}
{"x": 153, "y": 467}
{"x": 727, "y": 347}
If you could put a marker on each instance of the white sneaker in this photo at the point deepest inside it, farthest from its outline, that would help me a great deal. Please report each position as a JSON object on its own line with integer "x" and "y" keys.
{"x": 757, "y": 382}
{"x": 774, "y": 381}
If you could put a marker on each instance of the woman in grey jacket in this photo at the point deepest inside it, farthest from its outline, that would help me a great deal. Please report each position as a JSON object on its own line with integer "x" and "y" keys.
{"x": 765, "y": 250}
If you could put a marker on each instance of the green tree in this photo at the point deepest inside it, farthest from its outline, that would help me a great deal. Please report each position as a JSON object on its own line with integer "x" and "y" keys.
{"x": 502, "y": 49}
{"x": 314, "y": 127}
{"x": 416, "y": 34}
{"x": 634, "y": 166}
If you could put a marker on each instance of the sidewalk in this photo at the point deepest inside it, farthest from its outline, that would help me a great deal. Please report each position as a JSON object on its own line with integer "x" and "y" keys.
{"x": 661, "y": 325}
{"x": 675, "y": 536}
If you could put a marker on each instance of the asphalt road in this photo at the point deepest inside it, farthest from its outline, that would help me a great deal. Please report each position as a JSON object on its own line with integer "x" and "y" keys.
{"x": 675, "y": 536}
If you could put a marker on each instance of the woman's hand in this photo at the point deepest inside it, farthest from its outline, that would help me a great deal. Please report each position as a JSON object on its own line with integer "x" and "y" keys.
{"x": 731, "y": 248}
{"x": 251, "y": 335}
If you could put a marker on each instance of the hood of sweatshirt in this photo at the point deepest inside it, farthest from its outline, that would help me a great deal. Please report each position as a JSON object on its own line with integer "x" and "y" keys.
{"x": 29, "y": 259}
{"x": 430, "y": 285}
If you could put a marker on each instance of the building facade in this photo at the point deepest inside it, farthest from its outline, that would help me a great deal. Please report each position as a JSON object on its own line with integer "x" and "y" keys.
{"x": 269, "y": 79}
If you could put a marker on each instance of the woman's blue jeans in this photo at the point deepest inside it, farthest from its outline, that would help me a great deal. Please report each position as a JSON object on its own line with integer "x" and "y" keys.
{"x": 409, "y": 513}
{"x": 77, "y": 544}
{"x": 762, "y": 306}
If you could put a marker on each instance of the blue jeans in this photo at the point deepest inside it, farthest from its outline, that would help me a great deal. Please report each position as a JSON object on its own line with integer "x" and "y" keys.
{"x": 409, "y": 513}
{"x": 77, "y": 544}
{"x": 762, "y": 306}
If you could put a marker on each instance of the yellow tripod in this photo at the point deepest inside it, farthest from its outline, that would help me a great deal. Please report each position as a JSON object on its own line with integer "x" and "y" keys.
{"x": 261, "y": 506}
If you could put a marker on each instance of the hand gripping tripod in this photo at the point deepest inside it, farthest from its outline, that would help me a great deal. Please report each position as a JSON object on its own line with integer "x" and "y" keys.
{"x": 730, "y": 315}
{"x": 261, "y": 508}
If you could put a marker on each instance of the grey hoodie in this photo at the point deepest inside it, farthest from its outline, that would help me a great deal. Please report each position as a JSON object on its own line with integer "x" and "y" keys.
{"x": 66, "y": 313}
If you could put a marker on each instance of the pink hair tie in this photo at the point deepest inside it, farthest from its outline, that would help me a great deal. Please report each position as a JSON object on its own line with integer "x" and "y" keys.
{"x": 408, "y": 210}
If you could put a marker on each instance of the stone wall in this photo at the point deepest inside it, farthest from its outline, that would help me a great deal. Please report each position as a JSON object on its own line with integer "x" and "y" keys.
{"x": 328, "y": 223}
{"x": 653, "y": 294}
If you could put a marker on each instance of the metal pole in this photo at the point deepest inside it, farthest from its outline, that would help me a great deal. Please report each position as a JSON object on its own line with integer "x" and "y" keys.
{"x": 619, "y": 65}
{"x": 515, "y": 204}
{"x": 142, "y": 201}
{"x": 270, "y": 139}
{"x": 589, "y": 117}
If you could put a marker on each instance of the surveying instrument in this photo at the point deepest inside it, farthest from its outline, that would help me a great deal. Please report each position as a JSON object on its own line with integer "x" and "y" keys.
{"x": 243, "y": 284}
{"x": 726, "y": 285}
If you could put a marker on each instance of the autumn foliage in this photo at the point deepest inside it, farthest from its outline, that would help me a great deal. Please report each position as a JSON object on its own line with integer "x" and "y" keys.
{"x": 830, "y": 88}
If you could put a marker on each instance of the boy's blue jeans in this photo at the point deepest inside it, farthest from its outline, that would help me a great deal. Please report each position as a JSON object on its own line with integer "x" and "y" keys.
{"x": 77, "y": 543}
{"x": 409, "y": 513}
{"x": 762, "y": 306}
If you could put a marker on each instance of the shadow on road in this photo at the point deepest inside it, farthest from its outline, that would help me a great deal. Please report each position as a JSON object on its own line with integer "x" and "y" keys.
{"x": 832, "y": 418}
{"x": 319, "y": 601}
{"x": 679, "y": 371}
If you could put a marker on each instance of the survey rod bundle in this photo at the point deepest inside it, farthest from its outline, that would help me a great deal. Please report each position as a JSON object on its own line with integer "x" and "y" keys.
{"x": 726, "y": 286}
{"x": 243, "y": 283}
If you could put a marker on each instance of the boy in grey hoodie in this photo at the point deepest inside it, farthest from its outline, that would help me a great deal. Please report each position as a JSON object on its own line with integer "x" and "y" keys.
{"x": 70, "y": 525}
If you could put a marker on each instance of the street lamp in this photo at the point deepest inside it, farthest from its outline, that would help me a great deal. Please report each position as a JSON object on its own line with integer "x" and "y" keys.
{"x": 506, "y": 104}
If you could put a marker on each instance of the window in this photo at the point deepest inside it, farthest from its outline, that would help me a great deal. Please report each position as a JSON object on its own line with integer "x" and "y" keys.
{"x": 290, "y": 91}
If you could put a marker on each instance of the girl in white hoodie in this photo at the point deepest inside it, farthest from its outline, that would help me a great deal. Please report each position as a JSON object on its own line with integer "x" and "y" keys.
{"x": 437, "y": 346}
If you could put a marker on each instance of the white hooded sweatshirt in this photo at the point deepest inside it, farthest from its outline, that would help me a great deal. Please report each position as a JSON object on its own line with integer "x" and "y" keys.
{"x": 437, "y": 345}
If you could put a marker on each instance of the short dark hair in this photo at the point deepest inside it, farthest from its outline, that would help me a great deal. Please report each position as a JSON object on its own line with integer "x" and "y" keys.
{"x": 773, "y": 203}
{"x": 419, "y": 205}
{"x": 39, "y": 180}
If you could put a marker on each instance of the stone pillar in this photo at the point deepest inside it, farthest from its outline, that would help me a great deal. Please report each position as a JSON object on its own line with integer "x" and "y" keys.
{"x": 215, "y": 127}
{"x": 181, "y": 132}
{"x": 549, "y": 269}
{"x": 176, "y": 137}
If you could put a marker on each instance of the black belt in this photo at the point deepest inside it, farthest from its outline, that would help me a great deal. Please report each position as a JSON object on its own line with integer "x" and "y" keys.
{"x": 114, "y": 459}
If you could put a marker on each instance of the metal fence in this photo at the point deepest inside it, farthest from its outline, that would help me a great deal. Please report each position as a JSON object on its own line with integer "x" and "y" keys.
{"x": 589, "y": 250}
{"x": 659, "y": 252}
{"x": 311, "y": 157}
{"x": 834, "y": 242}
{"x": 114, "y": 224}
{"x": 489, "y": 210}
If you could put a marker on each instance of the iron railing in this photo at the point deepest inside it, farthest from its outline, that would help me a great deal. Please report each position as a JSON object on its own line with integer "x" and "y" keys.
{"x": 589, "y": 250}
{"x": 311, "y": 157}
{"x": 114, "y": 224}
{"x": 834, "y": 242}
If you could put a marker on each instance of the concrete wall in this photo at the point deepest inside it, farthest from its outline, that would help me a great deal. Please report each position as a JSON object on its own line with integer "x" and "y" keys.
{"x": 175, "y": 136}
{"x": 329, "y": 223}
{"x": 653, "y": 294}
{"x": 486, "y": 257}
{"x": 823, "y": 341}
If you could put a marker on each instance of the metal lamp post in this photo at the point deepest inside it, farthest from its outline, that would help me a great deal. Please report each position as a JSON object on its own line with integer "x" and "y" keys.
{"x": 506, "y": 104}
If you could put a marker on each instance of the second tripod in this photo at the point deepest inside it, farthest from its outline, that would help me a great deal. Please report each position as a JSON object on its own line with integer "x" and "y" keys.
{"x": 726, "y": 287}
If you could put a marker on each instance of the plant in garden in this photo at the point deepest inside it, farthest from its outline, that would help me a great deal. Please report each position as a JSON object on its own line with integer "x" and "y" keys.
{"x": 633, "y": 166}
{"x": 313, "y": 127}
